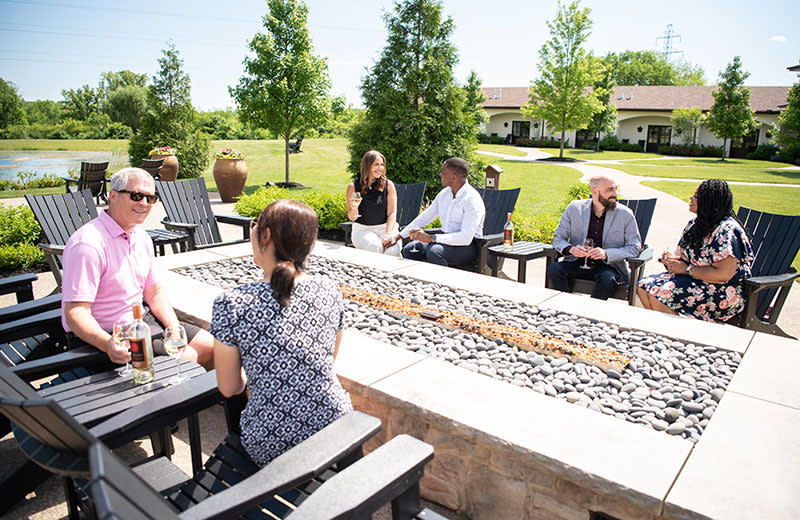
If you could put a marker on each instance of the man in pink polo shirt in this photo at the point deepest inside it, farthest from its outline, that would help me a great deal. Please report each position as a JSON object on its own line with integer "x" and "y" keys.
{"x": 109, "y": 266}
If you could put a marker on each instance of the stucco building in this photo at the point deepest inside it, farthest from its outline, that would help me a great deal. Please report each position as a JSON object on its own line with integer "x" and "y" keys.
{"x": 643, "y": 115}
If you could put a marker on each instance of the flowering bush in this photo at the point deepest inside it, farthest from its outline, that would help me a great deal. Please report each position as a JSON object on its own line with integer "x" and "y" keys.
{"x": 162, "y": 150}
{"x": 229, "y": 153}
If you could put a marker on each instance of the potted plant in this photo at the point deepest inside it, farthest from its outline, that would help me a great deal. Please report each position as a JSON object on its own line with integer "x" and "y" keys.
{"x": 230, "y": 174}
{"x": 169, "y": 168}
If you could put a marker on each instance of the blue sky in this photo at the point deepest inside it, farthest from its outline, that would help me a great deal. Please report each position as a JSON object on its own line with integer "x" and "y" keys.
{"x": 49, "y": 45}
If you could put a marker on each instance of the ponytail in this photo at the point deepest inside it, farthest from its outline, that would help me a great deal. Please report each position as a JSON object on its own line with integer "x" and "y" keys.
{"x": 282, "y": 282}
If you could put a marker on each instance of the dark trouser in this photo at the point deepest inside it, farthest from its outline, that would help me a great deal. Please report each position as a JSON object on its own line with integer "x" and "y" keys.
{"x": 604, "y": 276}
{"x": 156, "y": 331}
{"x": 441, "y": 254}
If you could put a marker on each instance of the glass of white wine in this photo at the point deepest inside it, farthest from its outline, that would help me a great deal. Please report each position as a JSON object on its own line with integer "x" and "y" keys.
{"x": 357, "y": 200}
{"x": 120, "y": 335}
{"x": 588, "y": 244}
{"x": 175, "y": 344}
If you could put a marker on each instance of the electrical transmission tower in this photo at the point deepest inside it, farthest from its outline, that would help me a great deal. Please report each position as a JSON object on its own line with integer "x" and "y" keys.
{"x": 668, "y": 37}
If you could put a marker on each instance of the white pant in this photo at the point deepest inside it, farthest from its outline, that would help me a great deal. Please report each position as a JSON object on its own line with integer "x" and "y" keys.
{"x": 369, "y": 238}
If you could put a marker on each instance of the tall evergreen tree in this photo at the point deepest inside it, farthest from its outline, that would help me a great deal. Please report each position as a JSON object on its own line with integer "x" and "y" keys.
{"x": 285, "y": 85}
{"x": 560, "y": 96}
{"x": 170, "y": 119}
{"x": 415, "y": 113}
{"x": 787, "y": 131}
{"x": 730, "y": 116}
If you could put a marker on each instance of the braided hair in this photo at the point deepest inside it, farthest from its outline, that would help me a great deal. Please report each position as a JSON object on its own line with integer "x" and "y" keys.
{"x": 714, "y": 204}
{"x": 293, "y": 228}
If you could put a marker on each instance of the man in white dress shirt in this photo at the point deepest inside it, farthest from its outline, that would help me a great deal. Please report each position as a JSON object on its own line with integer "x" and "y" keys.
{"x": 460, "y": 209}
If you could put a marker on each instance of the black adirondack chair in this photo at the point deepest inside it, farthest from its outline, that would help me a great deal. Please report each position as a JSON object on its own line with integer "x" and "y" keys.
{"x": 60, "y": 216}
{"x": 294, "y": 146}
{"x": 643, "y": 210}
{"x": 409, "y": 201}
{"x": 55, "y": 441}
{"x": 152, "y": 166}
{"x": 498, "y": 204}
{"x": 92, "y": 178}
{"x": 189, "y": 209}
{"x": 776, "y": 240}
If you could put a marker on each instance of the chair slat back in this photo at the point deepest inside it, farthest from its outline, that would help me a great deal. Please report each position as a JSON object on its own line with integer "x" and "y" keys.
{"x": 119, "y": 493}
{"x": 643, "y": 209}
{"x": 409, "y": 202}
{"x": 62, "y": 214}
{"x": 498, "y": 204}
{"x": 152, "y": 166}
{"x": 776, "y": 240}
{"x": 92, "y": 177}
{"x": 187, "y": 201}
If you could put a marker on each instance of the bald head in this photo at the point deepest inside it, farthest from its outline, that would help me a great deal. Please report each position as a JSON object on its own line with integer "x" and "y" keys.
{"x": 604, "y": 192}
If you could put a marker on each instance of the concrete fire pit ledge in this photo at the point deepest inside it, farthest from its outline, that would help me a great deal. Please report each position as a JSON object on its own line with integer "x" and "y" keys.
{"x": 505, "y": 452}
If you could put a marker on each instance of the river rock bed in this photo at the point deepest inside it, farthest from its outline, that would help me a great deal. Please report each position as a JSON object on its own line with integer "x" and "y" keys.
{"x": 668, "y": 385}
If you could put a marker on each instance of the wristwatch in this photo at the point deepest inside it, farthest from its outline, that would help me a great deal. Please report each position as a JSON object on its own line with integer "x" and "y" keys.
{"x": 433, "y": 238}
{"x": 689, "y": 269}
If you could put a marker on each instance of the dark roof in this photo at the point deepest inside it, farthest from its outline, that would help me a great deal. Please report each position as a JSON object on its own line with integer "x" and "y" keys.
{"x": 660, "y": 98}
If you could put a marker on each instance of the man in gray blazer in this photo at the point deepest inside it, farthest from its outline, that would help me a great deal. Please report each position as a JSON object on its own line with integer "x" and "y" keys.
{"x": 614, "y": 233}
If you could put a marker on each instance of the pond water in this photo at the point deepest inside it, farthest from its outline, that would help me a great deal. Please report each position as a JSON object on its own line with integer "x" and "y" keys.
{"x": 57, "y": 163}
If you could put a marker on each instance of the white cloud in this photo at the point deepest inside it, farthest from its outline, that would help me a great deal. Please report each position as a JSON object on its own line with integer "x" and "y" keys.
{"x": 777, "y": 38}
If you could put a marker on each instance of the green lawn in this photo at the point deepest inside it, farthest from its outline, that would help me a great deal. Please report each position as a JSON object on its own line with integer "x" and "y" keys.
{"x": 773, "y": 199}
{"x": 709, "y": 168}
{"x": 501, "y": 148}
{"x": 82, "y": 145}
{"x": 602, "y": 155}
{"x": 544, "y": 185}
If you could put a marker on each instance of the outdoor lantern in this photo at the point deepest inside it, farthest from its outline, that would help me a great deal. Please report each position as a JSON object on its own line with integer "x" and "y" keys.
{"x": 493, "y": 176}
{"x": 505, "y": 124}
{"x": 639, "y": 129}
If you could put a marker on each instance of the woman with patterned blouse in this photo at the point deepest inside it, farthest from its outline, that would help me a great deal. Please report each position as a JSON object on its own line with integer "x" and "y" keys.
{"x": 279, "y": 336}
{"x": 714, "y": 255}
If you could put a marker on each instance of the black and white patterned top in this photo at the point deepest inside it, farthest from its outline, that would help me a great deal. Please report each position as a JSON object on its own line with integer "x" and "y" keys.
{"x": 287, "y": 354}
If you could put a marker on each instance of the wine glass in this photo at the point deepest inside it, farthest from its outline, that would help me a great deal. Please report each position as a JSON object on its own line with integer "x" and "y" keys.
{"x": 414, "y": 245}
{"x": 120, "y": 335}
{"x": 175, "y": 344}
{"x": 357, "y": 199}
{"x": 587, "y": 244}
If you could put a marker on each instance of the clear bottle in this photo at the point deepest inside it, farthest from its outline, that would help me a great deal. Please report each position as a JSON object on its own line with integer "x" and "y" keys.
{"x": 141, "y": 348}
{"x": 508, "y": 235}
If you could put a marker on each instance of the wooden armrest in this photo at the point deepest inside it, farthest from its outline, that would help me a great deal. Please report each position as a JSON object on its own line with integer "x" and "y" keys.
{"x": 371, "y": 482}
{"x": 234, "y": 219}
{"x": 645, "y": 256}
{"x": 53, "y": 249}
{"x": 171, "y": 404}
{"x": 80, "y": 357}
{"x": 179, "y": 226}
{"x": 21, "y": 284}
{"x": 489, "y": 240}
{"x": 760, "y": 283}
{"x": 31, "y": 325}
{"x": 304, "y": 461}
{"x": 69, "y": 179}
{"x": 29, "y": 308}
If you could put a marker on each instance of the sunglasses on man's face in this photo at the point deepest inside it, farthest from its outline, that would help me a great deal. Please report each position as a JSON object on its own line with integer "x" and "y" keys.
{"x": 136, "y": 196}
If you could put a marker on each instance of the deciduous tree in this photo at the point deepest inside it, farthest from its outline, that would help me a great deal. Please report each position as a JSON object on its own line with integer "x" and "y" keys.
{"x": 415, "y": 112}
{"x": 11, "y": 112}
{"x": 560, "y": 96}
{"x": 730, "y": 116}
{"x": 685, "y": 121}
{"x": 80, "y": 103}
{"x": 285, "y": 84}
{"x": 604, "y": 120}
{"x": 786, "y": 133}
{"x": 127, "y": 105}
{"x": 650, "y": 68}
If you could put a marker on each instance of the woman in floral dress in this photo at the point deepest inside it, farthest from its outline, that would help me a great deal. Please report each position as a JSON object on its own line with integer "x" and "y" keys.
{"x": 714, "y": 255}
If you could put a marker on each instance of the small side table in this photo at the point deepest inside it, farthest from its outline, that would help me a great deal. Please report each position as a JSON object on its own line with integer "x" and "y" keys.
{"x": 161, "y": 237}
{"x": 521, "y": 252}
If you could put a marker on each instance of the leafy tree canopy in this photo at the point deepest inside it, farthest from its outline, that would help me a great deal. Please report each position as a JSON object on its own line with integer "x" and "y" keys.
{"x": 285, "y": 84}
{"x": 605, "y": 119}
{"x": 650, "y": 68}
{"x": 560, "y": 96}
{"x": 128, "y": 105}
{"x": 685, "y": 121}
{"x": 730, "y": 116}
{"x": 81, "y": 103}
{"x": 787, "y": 131}
{"x": 43, "y": 111}
{"x": 11, "y": 112}
{"x": 415, "y": 112}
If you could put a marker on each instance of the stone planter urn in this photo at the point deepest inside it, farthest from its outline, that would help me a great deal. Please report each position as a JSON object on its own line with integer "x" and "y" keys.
{"x": 169, "y": 168}
{"x": 230, "y": 176}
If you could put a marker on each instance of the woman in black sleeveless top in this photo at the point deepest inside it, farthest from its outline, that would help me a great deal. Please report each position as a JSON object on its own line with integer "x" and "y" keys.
{"x": 374, "y": 216}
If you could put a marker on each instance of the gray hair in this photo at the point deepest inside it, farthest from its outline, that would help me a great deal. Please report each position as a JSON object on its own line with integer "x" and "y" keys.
{"x": 119, "y": 181}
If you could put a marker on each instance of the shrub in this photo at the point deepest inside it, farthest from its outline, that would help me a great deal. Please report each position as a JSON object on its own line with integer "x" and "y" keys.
{"x": 19, "y": 234}
{"x": 534, "y": 228}
{"x": 763, "y": 152}
{"x": 630, "y": 147}
{"x": 540, "y": 143}
{"x": 610, "y": 142}
{"x": 576, "y": 191}
{"x": 25, "y": 180}
{"x": 331, "y": 208}
{"x": 690, "y": 150}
